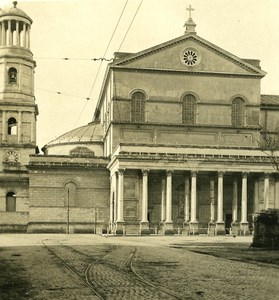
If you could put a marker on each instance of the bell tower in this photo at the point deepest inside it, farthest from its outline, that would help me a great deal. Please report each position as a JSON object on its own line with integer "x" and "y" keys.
{"x": 17, "y": 101}
{"x": 18, "y": 112}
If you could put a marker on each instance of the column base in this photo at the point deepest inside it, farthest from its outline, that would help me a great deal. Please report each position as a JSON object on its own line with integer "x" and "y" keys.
{"x": 120, "y": 228}
{"x": 186, "y": 228}
{"x": 144, "y": 228}
{"x": 244, "y": 228}
{"x": 211, "y": 228}
{"x": 168, "y": 228}
{"x": 235, "y": 228}
{"x": 220, "y": 228}
{"x": 194, "y": 228}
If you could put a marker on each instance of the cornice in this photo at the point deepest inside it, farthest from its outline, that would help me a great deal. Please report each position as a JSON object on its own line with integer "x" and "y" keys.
{"x": 185, "y": 72}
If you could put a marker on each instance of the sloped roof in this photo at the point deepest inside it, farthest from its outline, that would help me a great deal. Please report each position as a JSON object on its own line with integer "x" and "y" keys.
{"x": 270, "y": 99}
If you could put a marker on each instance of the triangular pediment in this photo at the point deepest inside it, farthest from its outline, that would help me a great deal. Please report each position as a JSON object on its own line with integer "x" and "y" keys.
{"x": 189, "y": 53}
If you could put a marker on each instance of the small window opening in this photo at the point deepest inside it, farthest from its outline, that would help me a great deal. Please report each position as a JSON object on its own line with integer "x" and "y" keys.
{"x": 12, "y": 75}
{"x": 11, "y": 201}
{"x": 12, "y": 126}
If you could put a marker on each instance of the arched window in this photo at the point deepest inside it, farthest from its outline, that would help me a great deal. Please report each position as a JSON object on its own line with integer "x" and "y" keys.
{"x": 238, "y": 112}
{"x": 189, "y": 109}
{"x": 12, "y": 75}
{"x": 11, "y": 201}
{"x": 138, "y": 107}
{"x": 70, "y": 197}
{"x": 12, "y": 126}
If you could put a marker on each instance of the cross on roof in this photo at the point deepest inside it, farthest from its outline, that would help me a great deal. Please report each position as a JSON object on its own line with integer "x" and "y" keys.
{"x": 190, "y": 9}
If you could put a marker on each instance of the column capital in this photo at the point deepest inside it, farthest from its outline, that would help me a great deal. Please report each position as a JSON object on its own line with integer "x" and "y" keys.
{"x": 169, "y": 172}
{"x": 245, "y": 174}
{"x": 266, "y": 175}
{"x": 120, "y": 171}
{"x": 194, "y": 173}
{"x": 144, "y": 172}
{"x": 221, "y": 173}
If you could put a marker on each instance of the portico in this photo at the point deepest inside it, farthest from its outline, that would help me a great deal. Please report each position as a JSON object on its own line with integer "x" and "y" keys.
{"x": 190, "y": 194}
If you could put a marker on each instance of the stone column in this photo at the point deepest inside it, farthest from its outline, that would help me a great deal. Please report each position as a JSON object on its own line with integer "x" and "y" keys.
{"x": 144, "y": 224}
{"x": 4, "y": 127}
{"x": 24, "y": 36}
{"x": 3, "y": 35}
{"x": 211, "y": 224}
{"x": 10, "y": 36}
{"x": 163, "y": 199}
{"x": 235, "y": 224}
{"x": 194, "y": 225}
{"x": 256, "y": 196}
{"x": 17, "y": 33}
{"x": 266, "y": 191}
{"x": 276, "y": 193}
{"x": 186, "y": 223}
{"x": 244, "y": 225}
{"x": 28, "y": 37}
{"x": 168, "y": 225}
{"x": 220, "y": 225}
{"x": 120, "y": 201}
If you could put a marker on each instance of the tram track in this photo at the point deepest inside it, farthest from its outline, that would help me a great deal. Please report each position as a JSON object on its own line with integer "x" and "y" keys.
{"x": 110, "y": 276}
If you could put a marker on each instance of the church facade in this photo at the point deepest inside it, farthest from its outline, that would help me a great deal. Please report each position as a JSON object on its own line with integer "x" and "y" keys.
{"x": 177, "y": 145}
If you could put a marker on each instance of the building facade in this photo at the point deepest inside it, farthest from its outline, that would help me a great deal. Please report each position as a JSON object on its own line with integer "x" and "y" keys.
{"x": 176, "y": 145}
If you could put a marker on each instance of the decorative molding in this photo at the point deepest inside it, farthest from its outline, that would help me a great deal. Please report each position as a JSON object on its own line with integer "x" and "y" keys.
{"x": 189, "y": 72}
{"x": 144, "y": 172}
{"x": 169, "y": 172}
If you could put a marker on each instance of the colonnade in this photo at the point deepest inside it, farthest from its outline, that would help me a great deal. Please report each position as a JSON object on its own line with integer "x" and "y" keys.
{"x": 14, "y": 33}
{"x": 190, "y": 201}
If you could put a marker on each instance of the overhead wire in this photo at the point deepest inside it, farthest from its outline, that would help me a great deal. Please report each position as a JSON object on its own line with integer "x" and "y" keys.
{"x": 127, "y": 31}
{"x": 76, "y": 58}
{"x": 100, "y": 65}
{"x": 130, "y": 25}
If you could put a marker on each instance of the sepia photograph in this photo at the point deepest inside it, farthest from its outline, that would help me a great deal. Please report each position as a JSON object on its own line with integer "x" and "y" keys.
{"x": 139, "y": 153}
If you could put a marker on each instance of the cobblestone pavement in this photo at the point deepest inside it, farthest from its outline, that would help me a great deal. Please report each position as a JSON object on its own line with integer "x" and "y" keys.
{"x": 108, "y": 264}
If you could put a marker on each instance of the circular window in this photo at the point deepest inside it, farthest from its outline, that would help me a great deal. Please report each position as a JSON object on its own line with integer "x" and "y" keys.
{"x": 190, "y": 57}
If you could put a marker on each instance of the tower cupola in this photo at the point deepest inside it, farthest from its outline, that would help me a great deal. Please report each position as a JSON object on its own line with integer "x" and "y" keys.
{"x": 15, "y": 27}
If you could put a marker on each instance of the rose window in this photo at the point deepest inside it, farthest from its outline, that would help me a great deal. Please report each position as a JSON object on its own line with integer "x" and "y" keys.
{"x": 190, "y": 57}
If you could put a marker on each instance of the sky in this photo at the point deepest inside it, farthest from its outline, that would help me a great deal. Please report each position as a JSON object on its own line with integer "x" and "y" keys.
{"x": 82, "y": 30}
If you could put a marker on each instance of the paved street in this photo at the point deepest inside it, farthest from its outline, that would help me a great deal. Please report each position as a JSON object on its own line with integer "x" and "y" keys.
{"x": 94, "y": 267}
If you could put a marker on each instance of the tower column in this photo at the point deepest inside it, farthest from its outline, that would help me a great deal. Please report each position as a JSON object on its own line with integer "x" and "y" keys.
{"x": 220, "y": 225}
{"x": 10, "y": 36}
{"x": 193, "y": 222}
{"x": 168, "y": 225}
{"x": 244, "y": 224}
{"x": 17, "y": 33}
{"x": 3, "y": 34}
{"x": 28, "y": 37}
{"x": 24, "y": 35}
